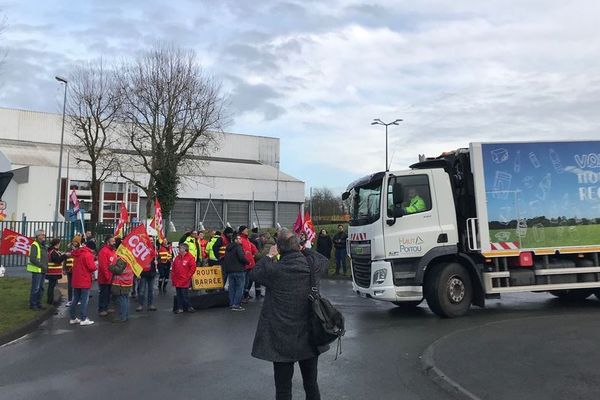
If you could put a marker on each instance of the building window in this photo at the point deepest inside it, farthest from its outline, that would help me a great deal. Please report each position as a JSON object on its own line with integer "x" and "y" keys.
{"x": 81, "y": 185}
{"x": 116, "y": 187}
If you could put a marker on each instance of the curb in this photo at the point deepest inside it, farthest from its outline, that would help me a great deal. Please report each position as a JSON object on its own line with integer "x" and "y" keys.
{"x": 438, "y": 376}
{"x": 31, "y": 325}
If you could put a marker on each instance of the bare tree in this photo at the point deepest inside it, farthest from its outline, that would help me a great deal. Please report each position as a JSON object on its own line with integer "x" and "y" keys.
{"x": 93, "y": 107}
{"x": 173, "y": 115}
{"x": 325, "y": 204}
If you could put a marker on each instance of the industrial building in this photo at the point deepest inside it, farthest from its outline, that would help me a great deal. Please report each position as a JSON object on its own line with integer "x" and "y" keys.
{"x": 240, "y": 183}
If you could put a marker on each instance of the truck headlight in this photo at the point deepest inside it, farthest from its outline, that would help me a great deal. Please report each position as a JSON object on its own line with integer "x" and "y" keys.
{"x": 379, "y": 276}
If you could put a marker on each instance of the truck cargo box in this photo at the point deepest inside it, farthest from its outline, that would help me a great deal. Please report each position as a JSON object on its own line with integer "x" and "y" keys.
{"x": 538, "y": 196}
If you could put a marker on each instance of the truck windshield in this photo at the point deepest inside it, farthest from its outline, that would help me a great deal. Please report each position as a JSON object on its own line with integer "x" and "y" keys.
{"x": 365, "y": 203}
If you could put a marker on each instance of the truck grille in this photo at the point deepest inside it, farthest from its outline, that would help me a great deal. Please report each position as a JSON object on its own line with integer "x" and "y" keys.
{"x": 361, "y": 271}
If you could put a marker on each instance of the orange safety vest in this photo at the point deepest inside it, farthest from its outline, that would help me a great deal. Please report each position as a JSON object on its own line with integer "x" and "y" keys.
{"x": 125, "y": 279}
{"x": 164, "y": 255}
{"x": 54, "y": 268}
{"x": 69, "y": 265}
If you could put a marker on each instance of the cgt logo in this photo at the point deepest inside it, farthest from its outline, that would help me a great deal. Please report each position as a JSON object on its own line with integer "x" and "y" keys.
{"x": 411, "y": 245}
{"x": 139, "y": 248}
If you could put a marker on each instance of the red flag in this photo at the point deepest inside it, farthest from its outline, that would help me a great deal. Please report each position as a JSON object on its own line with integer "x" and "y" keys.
{"x": 123, "y": 219}
{"x": 137, "y": 249}
{"x": 309, "y": 227}
{"x": 299, "y": 224}
{"x": 157, "y": 221}
{"x": 14, "y": 243}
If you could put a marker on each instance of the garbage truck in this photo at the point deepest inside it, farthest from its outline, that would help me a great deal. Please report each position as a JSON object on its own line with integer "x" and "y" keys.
{"x": 478, "y": 222}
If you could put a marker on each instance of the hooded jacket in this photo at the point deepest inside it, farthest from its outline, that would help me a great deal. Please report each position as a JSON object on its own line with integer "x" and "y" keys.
{"x": 234, "y": 259}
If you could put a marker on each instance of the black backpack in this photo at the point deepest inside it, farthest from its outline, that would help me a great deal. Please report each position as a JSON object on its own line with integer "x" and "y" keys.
{"x": 326, "y": 321}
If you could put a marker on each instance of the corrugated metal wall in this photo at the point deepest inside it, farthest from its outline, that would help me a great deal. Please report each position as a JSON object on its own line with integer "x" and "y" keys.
{"x": 211, "y": 214}
{"x": 263, "y": 214}
{"x": 238, "y": 213}
{"x": 288, "y": 212}
{"x": 183, "y": 215}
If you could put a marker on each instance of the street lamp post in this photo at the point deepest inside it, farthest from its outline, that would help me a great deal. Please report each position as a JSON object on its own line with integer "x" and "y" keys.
{"x": 377, "y": 121}
{"x": 60, "y": 157}
{"x": 277, "y": 196}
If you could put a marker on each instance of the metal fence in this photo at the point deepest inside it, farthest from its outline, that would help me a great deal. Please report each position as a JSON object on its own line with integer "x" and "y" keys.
{"x": 65, "y": 231}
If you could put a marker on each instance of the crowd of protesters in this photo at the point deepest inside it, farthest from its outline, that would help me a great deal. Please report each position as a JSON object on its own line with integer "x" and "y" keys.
{"x": 277, "y": 267}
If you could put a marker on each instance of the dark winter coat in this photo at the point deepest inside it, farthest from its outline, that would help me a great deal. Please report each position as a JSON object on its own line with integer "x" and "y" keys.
{"x": 234, "y": 259}
{"x": 324, "y": 245}
{"x": 282, "y": 334}
{"x": 339, "y": 240}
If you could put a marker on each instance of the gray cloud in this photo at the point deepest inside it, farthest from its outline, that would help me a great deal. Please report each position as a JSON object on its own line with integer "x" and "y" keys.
{"x": 260, "y": 98}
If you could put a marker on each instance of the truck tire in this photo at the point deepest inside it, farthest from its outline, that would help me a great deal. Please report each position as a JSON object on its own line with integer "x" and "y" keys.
{"x": 449, "y": 290}
{"x": 572, "y": 294}
{"x": 407, "y": 305}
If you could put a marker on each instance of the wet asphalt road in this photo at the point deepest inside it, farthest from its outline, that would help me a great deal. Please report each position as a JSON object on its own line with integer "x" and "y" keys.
{"x": 527, "y": 346}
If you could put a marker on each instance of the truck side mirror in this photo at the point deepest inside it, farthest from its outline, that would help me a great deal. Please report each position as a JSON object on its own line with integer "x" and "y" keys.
{"x": 345, "y": 195}
{"x": 397, "y": 194}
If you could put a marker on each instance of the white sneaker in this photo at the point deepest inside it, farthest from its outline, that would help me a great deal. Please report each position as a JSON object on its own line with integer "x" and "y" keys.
{"x": 74, "y": 321}
{"x": 68, "y": 304}
{"x": 86, "y": 321}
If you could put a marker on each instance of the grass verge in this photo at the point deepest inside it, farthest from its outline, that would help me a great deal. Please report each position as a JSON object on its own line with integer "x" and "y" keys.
{"x": 14, "y": 303}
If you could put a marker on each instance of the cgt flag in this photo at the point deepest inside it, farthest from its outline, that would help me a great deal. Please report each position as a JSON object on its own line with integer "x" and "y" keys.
{"x": 309, "y": 227}
{"x": 157, "y": 221}
{"x": 299, "y": 224}
{"x": 137, "y": 249}
{"x": 123, "y": 219}
{"x": 14, "y": 243}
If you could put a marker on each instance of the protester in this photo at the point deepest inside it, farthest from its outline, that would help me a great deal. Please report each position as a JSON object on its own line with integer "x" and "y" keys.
{"x": 164, "y": 265}
{"x": 75, "y": 244}
{"x": 233, "y": 264}
{"x": 339, "y": 242}
{"x": 183, "y": 269}
{"x": 212, "y": 250}
{"x": 202, "y": 242}
{"x": 250, "y": 251}
{"x": 221, "y": 245}
{"x": 38, "y": 266}
{"x": 107, "y": 256}
{"x": 55, "y": 267}
{"x": 254, "y": 238}
{"x": 83, "y": 267}
{"x": 324, "y": 244}
{"x": 283, "y": 331}
{"x": 90, "y": 241}
{"x": 121, "y": 285}
{"x": 146, "y": 293}
{"x": 191, "y": 239}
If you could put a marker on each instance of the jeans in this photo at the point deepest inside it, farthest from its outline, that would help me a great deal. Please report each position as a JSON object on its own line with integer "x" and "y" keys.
{"x": 340, "y": 260}
{"x": 146, "y": 287}
{"x": 103, "y": 297}
{"x": 82, "y": 295}
{"x": 183, "y": 302}
{"x": 70, "y": 286}
{"x": 236, "y": 287}
{"x": 52, "y": 281}
{"x": 123, "y": 302}
{"x": 37, "y": 290}
{"x": 284, "y": 371}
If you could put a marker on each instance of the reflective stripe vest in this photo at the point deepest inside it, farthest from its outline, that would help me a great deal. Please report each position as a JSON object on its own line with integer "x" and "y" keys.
{"x": 164, "y": 255}
{"x": 192, "y": 246}
{"x": 125, "y": 279}
{"x": 69, "y": 264}
{"x": 54, "y": 268}
{"x": 209, "y": 248}
{"x": 417, "y": 204}
{"x": 32, "y": 267}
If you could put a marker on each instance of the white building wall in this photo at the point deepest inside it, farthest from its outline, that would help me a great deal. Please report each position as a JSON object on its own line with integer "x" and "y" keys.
{"x": 37, "y": 197}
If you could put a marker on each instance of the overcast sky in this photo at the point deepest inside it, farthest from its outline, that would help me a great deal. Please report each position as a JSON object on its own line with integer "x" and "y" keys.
{"x": 315, "y": 73}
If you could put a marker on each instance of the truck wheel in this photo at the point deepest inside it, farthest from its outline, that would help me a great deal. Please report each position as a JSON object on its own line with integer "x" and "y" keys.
{"x": 572, "y": 294}
{"x": 449, "y": 290}
{"x": 407, "y": 305}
